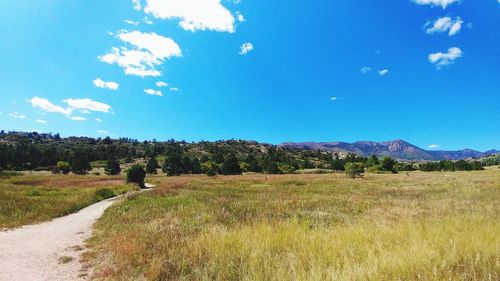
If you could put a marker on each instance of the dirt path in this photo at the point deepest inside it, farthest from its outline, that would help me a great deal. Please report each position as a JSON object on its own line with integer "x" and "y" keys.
{"x": 48, "y": 251}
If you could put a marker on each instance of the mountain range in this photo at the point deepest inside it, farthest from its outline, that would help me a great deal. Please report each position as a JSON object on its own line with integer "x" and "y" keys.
{"x": 398, "y": 149}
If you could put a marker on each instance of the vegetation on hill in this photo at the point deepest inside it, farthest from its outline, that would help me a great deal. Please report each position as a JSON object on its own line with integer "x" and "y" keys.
{"x": 33, "y": 151}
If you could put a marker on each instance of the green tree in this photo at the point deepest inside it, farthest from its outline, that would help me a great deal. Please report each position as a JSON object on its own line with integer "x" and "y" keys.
{"x": 173, "y": 165}
{"x": 136, "y": 174}
{"x": 152, "y": 166}
{"x": 187, "y": 165}
{"x": 196, "y": 166}
{"x": 388, "y": 164}
{"x": 63, "y": 167}
{"x": 112, "y": 167}
{"x": 81, "y": 165}
{"x": 231, "y": 166}
{"x": 372, "y": 161}
{"x": 253, "y": 164}
{"x": 354, "y": 170}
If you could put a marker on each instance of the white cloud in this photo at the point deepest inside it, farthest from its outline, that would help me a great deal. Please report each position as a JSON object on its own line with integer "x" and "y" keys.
{"x": 173, "y": 89}
{"x": 193, "y": 14}
{"x": 151, "y": 50}
{"x": 245, "y": 48}
{"x": 88, "y": 104}
{"x": 78, "y": 118}
{"x": 17, "y": 115}
{"x": 444, "y": 24}
{"x": 131, "y": 22}
{"x": 147, "y": 21}
{"x": 102, "y": 132}
{"x": 153, "y": 92}
{"x": 99, "y": 83}
{"x": 137, "y": 4}
{"x": 383, "y": 72}
{"x": 84, "y": 111}
{"x": 47, "y": 106}
{"x": 333, "y": 98}
{"x": 365, "y": 69}
{"x": 98, "y": 120}
{"x": 39, "y": 121}
{"x": 160, "y": 84}
{"x": 442, "y": 3}
{"x": 434, "y": 146}
{"x": 443, "y": 59}
{"x": 241, "y": 18}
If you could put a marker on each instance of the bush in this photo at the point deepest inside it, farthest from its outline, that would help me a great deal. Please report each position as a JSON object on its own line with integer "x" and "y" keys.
{"x": 81, "y": 166}
{"x": 152, "y": 166}
{"x": 354, "y": 170}
{"x": 63, "y": 167}
{"x": 112, "y": 167}
{"x": 136, "y": 174}
{"x": 104, "y": 193}
{"x": 231, "y": 166}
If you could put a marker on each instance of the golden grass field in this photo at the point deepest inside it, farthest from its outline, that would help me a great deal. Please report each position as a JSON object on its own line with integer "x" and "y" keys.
{"x": 37, "y": 197}
{"x": 410, "y": 226}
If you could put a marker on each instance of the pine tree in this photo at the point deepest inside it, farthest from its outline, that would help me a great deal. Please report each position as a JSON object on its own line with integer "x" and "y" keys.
{"x": 231, "y": 166}
{"x": 152, "y": 166}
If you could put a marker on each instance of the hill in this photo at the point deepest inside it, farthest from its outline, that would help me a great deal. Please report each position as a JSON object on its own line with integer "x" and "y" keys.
{"x": 398, "y": 149}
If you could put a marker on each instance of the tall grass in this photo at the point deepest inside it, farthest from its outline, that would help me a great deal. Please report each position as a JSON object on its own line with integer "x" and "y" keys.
{"x": 438, "y": 226}
{"x": 36, "y": 198}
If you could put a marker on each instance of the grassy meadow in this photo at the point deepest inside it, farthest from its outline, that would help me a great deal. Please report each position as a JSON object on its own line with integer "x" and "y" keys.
{"x": 410, "y": 226}
{"x": 35, "y": 197}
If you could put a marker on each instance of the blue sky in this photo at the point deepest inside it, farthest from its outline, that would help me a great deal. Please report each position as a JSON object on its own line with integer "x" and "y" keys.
{"x": 426, "y": 71}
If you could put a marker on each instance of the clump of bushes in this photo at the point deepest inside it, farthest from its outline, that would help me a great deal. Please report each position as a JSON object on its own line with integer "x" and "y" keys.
{"x": 136, "y": 174}
{"x": 104, "y": 193}
{"x": 354, "y": 170}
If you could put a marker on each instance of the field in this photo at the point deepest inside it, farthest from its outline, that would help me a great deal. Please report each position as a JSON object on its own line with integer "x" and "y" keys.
{"x": 410, "y": 226}
{"x": 37, "y": 197}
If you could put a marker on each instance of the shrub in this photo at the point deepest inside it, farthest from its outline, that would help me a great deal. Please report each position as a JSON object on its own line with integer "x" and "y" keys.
{"x": 231, "y": 166}
{"x": 354, "y": 170}
{"x": 112, "y": 167}
{"x": 104, "y": 193}
{"x": 136, "y": 174}
{"x": 63, "y": 167}
{"x": 152, "y": 166}
{"x": 81, "y": 165}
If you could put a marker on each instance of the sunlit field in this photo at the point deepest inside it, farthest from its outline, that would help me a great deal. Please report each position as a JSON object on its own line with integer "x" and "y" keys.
{"x": 410, "y": 226}
{"x": 36, "y": 197}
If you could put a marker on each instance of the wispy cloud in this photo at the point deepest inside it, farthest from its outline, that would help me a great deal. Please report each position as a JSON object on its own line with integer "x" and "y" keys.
{"x": 434, "y": 146}
{"x": 103, "y": 132}
{"x": 78, "y": 118}
{"x": 365, "y": 69}
{"x": 47, "y": 106}
{"x": 160, "y": 84}
{"x": 245, "y": 48}
{"x": 88, "y": 104}
{"x": 99, "y": 83}
{"x": 442, "y": 3}
{"x": 131, "y": 22}
{"x": 443, "y": 59}
{"x": 150, "y": 50}
{"x": 98, "y": 120}
{"x": 444, "y": 24}
{"x": 383, "y": 72}
{"x": 40, "y": 121}
{"x": 17, "y": 115}
{"x": 174, "y": 89}
{"x": 193, "y": 14}
{"x": 153, "y": 92}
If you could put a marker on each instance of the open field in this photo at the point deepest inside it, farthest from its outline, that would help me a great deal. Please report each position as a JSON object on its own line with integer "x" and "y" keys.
{"x": 411, "y": 226}
{"x": 37, "y": 197}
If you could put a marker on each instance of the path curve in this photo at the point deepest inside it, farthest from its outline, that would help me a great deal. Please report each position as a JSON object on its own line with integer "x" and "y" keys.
{"x": 33, "y": 252}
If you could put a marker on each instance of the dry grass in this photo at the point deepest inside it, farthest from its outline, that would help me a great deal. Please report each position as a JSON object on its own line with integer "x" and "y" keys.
{"x": 35, "y": 197}
{"x": 415, "y": 226}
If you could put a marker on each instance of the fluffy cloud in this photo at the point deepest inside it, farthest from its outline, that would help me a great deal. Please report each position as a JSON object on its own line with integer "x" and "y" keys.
{"x": 443, "y": 59}
{"x": 151, "y": 50}
{"x": 88, "y": 104}
{"x": 160, "y": 84}
{"x": 17, "y": 115}
{"x": 246, "y": 48}
{"x": 47, "y": 106}
{"x": 98, "y": 120}
{"x": 153, "y": 92}
{"x": 131, "y": 22}
{"x": 39, "y": 121}
{"x": 365, "y": 69}
{"x": 78, "y": 118}
{"x": 434, "y": 146}
{"x": 442, "y": 3}
{"x": 193, "y": 14}
{"x": 383, "y": 72}
{"x": 99, "y": 83}
{"x": 102, "y": 132}
{"x": 241, "y": 18}
{"x": 137, "y": 4}
{"x": 444, "y": 24}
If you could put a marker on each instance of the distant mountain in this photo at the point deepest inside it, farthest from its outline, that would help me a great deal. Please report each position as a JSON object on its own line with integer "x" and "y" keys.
{"x": 398, "y": 149}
